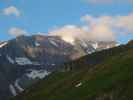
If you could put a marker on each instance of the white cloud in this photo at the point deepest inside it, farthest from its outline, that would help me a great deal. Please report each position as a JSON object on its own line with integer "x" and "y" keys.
{"x": 114, "y": 23}
{"x": 17, "y": 31}
{"x": 125, "y": 22}
{"x": 100, "y": 28}
{"x": 108, "y": 27}
{"x": 68, "y": 32}
{"x": 11, "y": 11}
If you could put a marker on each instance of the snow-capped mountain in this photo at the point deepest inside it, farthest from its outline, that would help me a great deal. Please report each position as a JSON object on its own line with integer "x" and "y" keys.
{"x": 87, "y": 47}
{"x": 26, "y": 59}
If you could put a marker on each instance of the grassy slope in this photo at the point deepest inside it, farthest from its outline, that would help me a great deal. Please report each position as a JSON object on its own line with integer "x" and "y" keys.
{"x": 110, "y": 80}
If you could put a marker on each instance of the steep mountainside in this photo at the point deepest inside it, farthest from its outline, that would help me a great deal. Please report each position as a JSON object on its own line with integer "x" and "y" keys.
{"x": 111, "y": 78}
{"x": 29, "y": 58}
{"x": 26, "y": 59}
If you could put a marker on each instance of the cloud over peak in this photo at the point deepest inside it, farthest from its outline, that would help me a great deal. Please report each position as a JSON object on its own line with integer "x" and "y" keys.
{"x": 68, "y": 32}
{"x": 100, "y": 28}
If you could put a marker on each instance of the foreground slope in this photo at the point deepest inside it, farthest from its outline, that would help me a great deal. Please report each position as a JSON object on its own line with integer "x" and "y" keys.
{"x": 109, "y": 79}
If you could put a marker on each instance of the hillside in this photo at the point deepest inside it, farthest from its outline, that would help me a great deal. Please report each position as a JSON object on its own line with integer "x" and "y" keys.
{"x": 104, "y": 75}
{"x": 26, "y": 59}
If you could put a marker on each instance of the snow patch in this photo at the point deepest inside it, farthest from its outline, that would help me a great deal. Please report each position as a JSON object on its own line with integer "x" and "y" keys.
{"x": 18, "y": 86}
{"x": 84, "y": 44}
{"x": 38, "y": 74}
{"x": 3, "y": 44}
{"x": 78, "y": 85}
{"x": 23, "y": 61}
{"x": 53, "y": 64}
{"x": 12, "y": 89}
{"x": 10, "y": 59}
{"x": 53, "y": 43}
{"x": 37, "y": 44}
{"x": 95, "y": 45}
{"x": 90, "y": 51}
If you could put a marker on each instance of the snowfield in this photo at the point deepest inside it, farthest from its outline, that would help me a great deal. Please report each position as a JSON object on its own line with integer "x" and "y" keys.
{"x": 23, "y": 61}
{"x": 38, "y": 74}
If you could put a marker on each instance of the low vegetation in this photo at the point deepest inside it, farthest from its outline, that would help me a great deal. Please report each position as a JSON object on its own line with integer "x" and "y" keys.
{"x": 105, "y": 75}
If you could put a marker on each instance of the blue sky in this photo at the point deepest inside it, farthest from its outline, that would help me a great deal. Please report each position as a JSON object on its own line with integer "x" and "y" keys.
{"x": 42, "y": 15}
